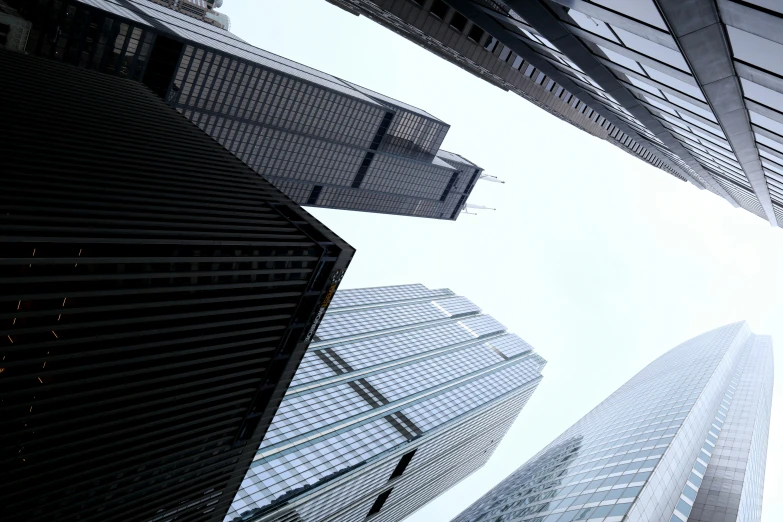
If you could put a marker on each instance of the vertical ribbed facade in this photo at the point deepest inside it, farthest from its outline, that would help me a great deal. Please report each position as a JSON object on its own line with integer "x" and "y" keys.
{"x": 156, "y": 296}
{"x": 448, "y": 34}
{"x": 403, "y": 392}
{"x": 684, "y": 440}
{"x": 733, "y": 485}
{"x": 690, "y": 86}
{"x": 321, "y": 140}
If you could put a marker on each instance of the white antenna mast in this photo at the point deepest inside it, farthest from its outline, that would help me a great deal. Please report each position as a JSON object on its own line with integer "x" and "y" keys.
{"x": 493, "y": 179}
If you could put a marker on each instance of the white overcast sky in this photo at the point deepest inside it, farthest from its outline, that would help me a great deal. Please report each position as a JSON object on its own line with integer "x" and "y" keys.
{"x": 597, "y": 259}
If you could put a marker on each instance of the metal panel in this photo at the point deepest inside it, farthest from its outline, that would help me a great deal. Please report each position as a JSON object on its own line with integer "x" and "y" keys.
{"x": 702, "y": 38}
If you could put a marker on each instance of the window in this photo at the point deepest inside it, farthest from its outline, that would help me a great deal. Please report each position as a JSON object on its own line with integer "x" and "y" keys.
{"x": 683, "y": 507}
{"x": 439, "y": 8}
{"x": 491, "y": 44}
{"x": 601, "y": 511}
{"x": 404, "y": 461}
{"x": 313, "y": 198}
{"x": 458, "y": 22}
{"x": 504, "y": 54}
{"x": 5, "y": 30}
{"x": 619, "y": 510}
{"x": 475, "y": 33}
{"x": 378, "y": 504}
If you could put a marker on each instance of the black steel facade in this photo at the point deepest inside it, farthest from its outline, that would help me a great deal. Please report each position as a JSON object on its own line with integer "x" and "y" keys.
{"x": 321, "y": 140}
{"x": 157, "y": 297}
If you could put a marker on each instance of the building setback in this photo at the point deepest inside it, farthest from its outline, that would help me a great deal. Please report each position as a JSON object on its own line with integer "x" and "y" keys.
{"x": 157, "y": 296}
{"x": 321, "y": 140}
{"x": 692, "y": 87}
{"x": 404, "y": 392}
{"x": 684, "y": 440}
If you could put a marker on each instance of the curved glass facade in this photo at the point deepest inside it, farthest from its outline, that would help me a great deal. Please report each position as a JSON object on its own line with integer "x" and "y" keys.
{"x": 403, "y": 392}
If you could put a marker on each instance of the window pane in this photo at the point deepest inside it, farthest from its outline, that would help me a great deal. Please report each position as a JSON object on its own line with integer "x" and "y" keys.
{"x": 769, "y": 143}
{"x": 772, "y": 5}
{"x": 592, "y": 25}
{"x": 653, "y": 50}
{"x": 767, "y": 123}
{"x": 691, "y": 107}
{"x": 762, "y": 95}
{"x": 621, "y": 60}
{"x": 674, "y": 83}
{"x": 642, "y": 10}
{"x": 756, "y": 50}
{"x": 683, "y": 507}
{"x": 645, "y": 86}
{"x": 620, "y": 509}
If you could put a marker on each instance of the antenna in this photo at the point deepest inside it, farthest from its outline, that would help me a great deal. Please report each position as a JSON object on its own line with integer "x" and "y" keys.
{"x": 493, "y": 179}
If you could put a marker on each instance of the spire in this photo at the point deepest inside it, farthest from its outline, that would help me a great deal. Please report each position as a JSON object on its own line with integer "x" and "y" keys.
{"x": 466, "y": 206}
{"x": 493, "y": 179}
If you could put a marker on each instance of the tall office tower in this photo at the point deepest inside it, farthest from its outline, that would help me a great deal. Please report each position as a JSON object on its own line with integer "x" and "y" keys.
{"x": 693, "y": 86}
{"x": 321, "y": 140}
{"x": 684, "y": 440}
{"x": 403, "y": 393}
{"x": 157, "y": 296}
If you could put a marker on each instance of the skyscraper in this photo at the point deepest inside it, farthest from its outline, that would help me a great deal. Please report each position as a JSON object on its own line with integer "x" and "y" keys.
{"x": 684, "y": 440}
{"x": 157, "y": 296}
{"x": 321, "y": 140}
{"x": 691, "y": 86}
{"x": 403, "y": 392}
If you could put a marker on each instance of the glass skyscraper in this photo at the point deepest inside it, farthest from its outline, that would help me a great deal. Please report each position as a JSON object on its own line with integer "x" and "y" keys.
{"x": 691, "y": 86}
{"x": 403, "y": 392}
{"x": 321, "y": 140}
{"x": 684, "y": 440}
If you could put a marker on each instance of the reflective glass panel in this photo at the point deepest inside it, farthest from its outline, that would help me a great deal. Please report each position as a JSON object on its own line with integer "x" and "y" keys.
{"x": 756, "y": 50}
{"x": 642, "y": 10}
{"x": 653, "y": 50}
{"x": 622, "y": 60}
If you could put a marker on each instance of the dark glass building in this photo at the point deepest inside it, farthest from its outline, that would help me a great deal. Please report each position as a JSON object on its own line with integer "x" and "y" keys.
{"x": 685, "y": 440}
{"x": 404, "y": 392}
{"x": 321, "y": 140}
{"x": 691, "y": 86}
{"x": 156, "y": 298}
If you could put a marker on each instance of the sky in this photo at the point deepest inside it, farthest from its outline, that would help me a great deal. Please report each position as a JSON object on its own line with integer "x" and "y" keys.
{"x": 597, "y": 259}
